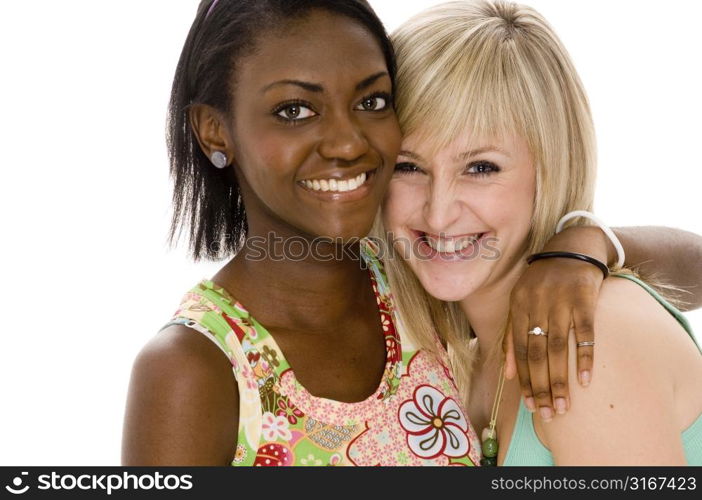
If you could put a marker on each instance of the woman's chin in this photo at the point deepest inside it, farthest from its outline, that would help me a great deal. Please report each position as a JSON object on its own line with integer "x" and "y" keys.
{"x": 448, "y": 290}
{"x": 448, "y": 296}
{"x": 340, "y": 234}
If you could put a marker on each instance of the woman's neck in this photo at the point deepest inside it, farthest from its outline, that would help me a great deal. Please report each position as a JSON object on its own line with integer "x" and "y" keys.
{"x": 487, "y": 311}
{"x": 292, "y": 281}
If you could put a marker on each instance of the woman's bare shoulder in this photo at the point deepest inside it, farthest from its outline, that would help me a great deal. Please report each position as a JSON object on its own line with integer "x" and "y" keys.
{"x": 637, "y": 338}
{"x": 182, "y": 406}
{"x": 626, "y": 312}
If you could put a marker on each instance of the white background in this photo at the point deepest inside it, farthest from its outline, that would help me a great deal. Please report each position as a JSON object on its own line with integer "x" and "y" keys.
{"x": 85, "y": 275}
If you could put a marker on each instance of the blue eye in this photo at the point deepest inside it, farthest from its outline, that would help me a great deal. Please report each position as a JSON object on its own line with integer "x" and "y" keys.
{"x": 407, "y": 168}
{"x": 481, "y": 168}
{"x": 294, "y": 111}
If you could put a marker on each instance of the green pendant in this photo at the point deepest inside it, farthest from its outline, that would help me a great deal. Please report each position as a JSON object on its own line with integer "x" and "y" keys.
{"x": 488, "y": 461}
{"x": 490, "y": 448}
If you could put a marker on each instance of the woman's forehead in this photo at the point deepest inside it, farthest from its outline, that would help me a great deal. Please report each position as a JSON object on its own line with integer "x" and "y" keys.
{"x": 427, "y": 142}
{"x": 319, "y": 46}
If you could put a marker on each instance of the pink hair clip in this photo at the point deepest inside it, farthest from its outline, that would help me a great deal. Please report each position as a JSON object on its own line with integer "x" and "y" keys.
{"x": 209, "y": 11}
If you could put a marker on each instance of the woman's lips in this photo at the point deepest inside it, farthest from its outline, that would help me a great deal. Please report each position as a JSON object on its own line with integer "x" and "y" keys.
{"x": 344, "y": 189}
{"x": 448, "y": 248}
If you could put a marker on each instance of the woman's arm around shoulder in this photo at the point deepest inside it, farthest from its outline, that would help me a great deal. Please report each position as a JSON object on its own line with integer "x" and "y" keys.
{"x": 627, "y": 416}
{"x": 183, "y": 403}
{"x": 673, "y": 256}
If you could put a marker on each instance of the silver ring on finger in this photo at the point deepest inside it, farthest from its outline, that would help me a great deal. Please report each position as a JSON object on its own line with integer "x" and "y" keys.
{"x": 586, "y": 343}
{"x": 538, "y": 332}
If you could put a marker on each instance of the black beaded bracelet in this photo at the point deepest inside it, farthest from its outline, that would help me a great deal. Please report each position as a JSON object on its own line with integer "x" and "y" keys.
{"x": 570, "y": 255}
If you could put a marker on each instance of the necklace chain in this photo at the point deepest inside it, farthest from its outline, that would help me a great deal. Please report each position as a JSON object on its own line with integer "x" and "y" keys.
{"x": 489, "y": 437}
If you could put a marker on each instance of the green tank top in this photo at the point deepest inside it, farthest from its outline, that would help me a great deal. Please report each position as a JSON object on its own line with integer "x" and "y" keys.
{"x": 525, "y": 448}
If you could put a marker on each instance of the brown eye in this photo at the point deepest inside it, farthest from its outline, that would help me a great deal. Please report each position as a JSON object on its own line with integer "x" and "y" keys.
{"x": 373, "y": 103}
{"x": 294, "y": 112}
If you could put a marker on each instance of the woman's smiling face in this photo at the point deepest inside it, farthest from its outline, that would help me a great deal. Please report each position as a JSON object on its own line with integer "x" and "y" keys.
{"x": 461, "y": 217}
{"x": 314, "y": 131}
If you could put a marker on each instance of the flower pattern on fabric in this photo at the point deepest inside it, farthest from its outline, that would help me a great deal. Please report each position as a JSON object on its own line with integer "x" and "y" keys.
{"x": 274, "y": 427}
{"x": 240, "y": 454}
{"x": 281, "y": 423}
{"x": 435, "y": 424}
{"x": 270, "y": 356}
{"x": 289, "y": 411}
{"x": 310, "y": 460}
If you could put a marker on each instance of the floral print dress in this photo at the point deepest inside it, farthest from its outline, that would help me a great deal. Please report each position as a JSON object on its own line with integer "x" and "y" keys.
{"x": 413, "y": 418}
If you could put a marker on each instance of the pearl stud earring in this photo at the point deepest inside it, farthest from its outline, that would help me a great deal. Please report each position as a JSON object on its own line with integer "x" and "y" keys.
{"x": 219, "y": 159}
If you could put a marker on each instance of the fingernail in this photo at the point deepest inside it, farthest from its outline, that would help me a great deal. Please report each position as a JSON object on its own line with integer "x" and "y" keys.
{"x": 529, "y": 403}
{"x": 585, "y": 378}
{"x": 546, "y": 413}
{"x": 561, "y": 406}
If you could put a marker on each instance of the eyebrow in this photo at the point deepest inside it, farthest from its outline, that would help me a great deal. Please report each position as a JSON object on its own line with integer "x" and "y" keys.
{"x": 371, "y": 80}
{"x": 410, "y": 154}
{"x": 463, "y": 156}
{"x": 484, "y": 149}
{"x": 312, "y": 87}
{"x": 315, "y": 87}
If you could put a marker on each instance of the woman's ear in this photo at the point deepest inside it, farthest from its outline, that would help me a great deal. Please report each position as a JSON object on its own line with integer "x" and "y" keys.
{"x": 210, "y": 130}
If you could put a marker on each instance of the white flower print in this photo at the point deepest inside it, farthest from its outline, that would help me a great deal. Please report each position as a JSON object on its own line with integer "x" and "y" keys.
{"x": 311, "y": 460}
{"x": 240, "y": 454}
{"x": 275, "y": 427}
{"x": 435, "y": 424}
{"x": 385, "y": 322}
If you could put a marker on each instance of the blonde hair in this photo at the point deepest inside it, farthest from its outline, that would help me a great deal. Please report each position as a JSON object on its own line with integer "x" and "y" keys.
{"x": 427, "y": 319}
{"x": 488, "y": 69}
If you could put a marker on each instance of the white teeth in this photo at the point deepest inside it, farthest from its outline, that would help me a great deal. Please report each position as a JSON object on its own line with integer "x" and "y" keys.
{"x": 452, "y": 245}
{"x": 339, "y": 186}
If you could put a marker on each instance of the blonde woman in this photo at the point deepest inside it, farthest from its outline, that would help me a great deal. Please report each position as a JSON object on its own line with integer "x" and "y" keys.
{"x": 499, "y": 145}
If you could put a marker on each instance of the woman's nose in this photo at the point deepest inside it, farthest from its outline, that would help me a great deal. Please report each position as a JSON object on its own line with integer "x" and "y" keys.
{"x": 343, "y": 139}
{"x": 442, "y": 208}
